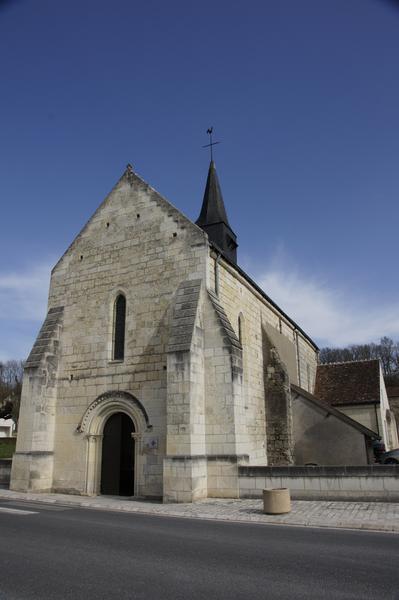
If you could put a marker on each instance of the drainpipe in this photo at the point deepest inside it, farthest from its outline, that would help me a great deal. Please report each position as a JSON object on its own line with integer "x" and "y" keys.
{"x": 217, "y": 274}
{"x": 376, "y": 420}
{"x": 298, "y": 362}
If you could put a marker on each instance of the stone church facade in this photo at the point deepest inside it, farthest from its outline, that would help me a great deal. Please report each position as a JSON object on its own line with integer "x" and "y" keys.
{"x": 161, "y": 366}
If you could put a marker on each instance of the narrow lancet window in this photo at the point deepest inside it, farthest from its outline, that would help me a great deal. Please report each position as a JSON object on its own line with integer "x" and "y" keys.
{"x": 119, "y": 328}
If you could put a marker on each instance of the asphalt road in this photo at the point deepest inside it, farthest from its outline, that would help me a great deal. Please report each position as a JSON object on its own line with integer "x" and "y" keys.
{"x": 53, "y": 552}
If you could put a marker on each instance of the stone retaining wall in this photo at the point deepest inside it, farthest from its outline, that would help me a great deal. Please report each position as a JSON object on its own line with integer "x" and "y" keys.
{"x": 372, "y": 482}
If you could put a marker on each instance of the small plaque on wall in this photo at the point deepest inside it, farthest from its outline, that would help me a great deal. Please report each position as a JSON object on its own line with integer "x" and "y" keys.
{"x": 151, "y": 443}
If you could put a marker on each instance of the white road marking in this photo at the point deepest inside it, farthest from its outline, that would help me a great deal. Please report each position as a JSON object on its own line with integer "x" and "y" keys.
{"x": 16, "y": 511}
{"x": 37, "y": 506}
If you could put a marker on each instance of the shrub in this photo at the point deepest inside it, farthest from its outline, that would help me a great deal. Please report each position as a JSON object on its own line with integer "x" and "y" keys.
{"x": 7, "y": 447}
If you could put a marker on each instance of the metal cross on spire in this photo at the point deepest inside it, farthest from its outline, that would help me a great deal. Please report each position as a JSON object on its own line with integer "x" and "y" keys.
{"x": 211, "y": 144}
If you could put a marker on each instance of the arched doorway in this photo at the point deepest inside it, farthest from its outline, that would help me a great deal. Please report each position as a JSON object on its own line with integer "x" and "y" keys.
{"x": 117, "y": 464}
{"x": 92, "y": 424}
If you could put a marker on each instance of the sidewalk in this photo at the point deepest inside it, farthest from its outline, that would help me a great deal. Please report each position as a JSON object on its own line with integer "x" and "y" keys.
{"x": 372, "y": 516}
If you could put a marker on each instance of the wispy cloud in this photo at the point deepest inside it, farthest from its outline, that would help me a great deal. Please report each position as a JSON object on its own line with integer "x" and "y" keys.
{"x": 23, "y": 294}
{"x": 329, "y": 314}
{"x": 23, "y": 303}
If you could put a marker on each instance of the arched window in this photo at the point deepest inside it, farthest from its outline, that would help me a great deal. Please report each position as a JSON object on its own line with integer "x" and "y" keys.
{"x": 119, "y": 328}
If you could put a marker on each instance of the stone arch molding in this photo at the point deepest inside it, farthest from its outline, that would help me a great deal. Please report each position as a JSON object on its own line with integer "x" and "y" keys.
{"x": 108, "y": 403}
{"x": 92, "y": 424}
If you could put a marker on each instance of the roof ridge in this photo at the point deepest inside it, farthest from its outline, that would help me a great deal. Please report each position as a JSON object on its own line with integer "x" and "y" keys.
{"x": 348, "y": 362}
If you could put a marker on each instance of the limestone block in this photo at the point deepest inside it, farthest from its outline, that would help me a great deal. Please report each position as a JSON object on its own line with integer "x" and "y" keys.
{"x": 184, "y": 479}
{"x": 313, "y": 484}
{"x": 371, "y": 484}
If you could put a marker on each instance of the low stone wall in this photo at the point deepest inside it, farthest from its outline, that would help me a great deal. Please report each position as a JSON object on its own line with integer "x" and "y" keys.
{"x": 5, "y": 471}
{"x": 372, "y": 482}
{"x": 190, "y": 478}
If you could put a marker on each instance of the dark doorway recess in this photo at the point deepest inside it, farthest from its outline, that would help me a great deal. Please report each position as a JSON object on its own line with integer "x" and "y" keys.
{"x": 117, "y": 465}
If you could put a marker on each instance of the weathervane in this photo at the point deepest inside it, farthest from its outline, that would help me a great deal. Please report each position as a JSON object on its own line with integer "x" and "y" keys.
{"x": 211, "y": 144}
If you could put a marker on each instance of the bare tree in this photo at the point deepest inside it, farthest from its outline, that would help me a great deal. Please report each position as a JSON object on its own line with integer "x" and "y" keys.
{"x": 11, "y": 373}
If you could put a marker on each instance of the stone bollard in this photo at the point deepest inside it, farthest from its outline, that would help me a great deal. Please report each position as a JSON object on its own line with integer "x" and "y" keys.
{"x": 276, "y": 501}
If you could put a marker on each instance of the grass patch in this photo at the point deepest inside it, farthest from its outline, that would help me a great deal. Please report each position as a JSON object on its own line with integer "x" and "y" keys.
{"x": 7, "y": 447}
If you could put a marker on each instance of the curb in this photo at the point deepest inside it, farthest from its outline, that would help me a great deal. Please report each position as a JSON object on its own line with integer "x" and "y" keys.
{"x": 116, "y": 506}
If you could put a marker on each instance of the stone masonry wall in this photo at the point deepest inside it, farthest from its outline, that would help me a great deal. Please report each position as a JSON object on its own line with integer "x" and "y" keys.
{"x": 239, "y": 298}
{"x": 33, "y": 461}
{"x": 351, "y": 483}
{"x": 279, "y": 417}
{"x": 184, "y": 467}
{"x": 223, "y": 375}
{"x": 140, "y": 245}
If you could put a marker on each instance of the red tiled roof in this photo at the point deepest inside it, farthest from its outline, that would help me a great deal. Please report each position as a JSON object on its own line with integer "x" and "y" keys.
{"x": 356, "y": 382}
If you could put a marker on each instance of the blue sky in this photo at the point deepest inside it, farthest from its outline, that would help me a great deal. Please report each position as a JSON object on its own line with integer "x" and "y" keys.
{"x": 303, "y": 95}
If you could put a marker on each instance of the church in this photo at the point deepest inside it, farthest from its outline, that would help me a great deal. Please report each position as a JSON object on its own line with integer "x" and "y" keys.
{"x": 161, "y": 366}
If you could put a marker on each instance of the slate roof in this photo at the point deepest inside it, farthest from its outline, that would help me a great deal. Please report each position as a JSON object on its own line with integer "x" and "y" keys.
{"x": 224, "y": 321}
{"x": 43, "y": 340}
{"x": 213, "y": 216}
{"x": 393, "y": 391}
{"x": 213, "y": 209}
{"x": 335, "y": 412}
{"x": 184, "y": 313}
{"x": 356, "y": 382}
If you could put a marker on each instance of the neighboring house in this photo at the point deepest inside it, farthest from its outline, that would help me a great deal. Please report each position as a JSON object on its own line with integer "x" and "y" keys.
{"x": 393, "y": 399}
{"x": 358, "y": 390}
{"x": 326, "y": 436}
{"x": 6, "y": 428}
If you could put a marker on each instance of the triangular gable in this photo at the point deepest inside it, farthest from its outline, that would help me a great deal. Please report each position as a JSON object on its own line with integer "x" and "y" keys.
{"x": 136, "y": 181}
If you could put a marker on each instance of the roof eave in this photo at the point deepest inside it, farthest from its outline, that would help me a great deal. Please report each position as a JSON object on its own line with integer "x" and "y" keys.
{"x": 334, "y": 411}
{"x": 265, "y": 296}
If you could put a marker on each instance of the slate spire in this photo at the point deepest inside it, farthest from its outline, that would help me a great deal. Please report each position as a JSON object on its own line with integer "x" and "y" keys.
{"x": 213, "y": 217}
